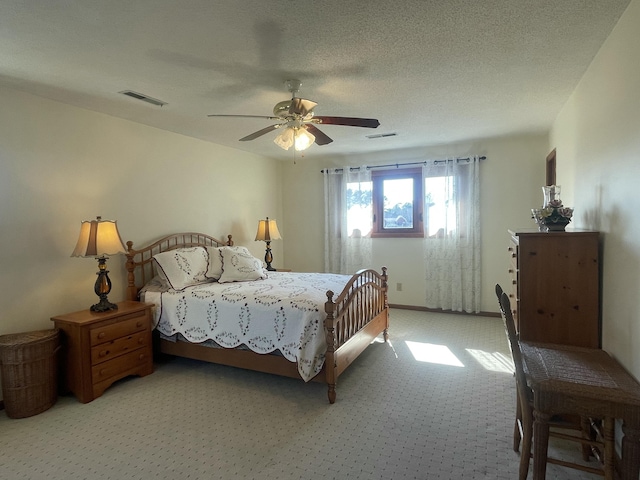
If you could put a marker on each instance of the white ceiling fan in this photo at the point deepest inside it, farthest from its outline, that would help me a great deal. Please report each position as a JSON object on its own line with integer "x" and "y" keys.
{"x": 298, "y": 122}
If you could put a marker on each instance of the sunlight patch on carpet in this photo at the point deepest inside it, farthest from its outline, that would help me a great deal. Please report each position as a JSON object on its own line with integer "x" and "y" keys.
{"x": 431, "y": 353}
{"x": 494, "y": 362}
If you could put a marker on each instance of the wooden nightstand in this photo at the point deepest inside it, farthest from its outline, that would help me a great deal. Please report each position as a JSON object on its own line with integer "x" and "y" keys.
{"x": 102, "y": 347}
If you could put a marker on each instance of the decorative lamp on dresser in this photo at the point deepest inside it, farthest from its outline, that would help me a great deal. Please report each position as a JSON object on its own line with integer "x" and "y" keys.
{"x": 102, "y": 347}
{"x": 555, "y": 293}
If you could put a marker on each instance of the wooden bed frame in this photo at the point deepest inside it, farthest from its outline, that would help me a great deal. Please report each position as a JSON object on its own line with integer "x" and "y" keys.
{"x": 353, "y": 320}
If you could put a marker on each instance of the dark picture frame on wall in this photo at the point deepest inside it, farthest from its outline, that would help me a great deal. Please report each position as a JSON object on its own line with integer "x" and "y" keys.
{"x": 551, "y": 168}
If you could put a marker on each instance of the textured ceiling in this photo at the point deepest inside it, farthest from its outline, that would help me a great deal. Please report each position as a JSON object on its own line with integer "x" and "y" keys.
{"x": 434, "y": 72}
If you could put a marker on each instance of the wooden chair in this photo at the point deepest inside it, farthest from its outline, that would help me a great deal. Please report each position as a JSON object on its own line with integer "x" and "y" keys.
{"x": 523, "y": 427}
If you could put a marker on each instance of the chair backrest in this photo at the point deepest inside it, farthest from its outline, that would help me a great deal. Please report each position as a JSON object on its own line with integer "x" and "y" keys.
{"x": 514, "y": 344}
{"x": 499, "y": 295}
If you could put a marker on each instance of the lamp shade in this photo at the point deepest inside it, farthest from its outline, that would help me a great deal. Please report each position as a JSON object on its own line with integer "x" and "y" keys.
{"x": 298, "y": 137}
{"x": 303, "y": 139}
{"x": 285, "y": 139}
{"x": 267, "y": 230}
{"x": 97, "y": 238}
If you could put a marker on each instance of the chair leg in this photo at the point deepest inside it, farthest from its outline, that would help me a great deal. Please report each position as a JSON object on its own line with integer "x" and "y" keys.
{"x": 516, "y": 426}
{"x": 525, "y": 454}
{"x": 541, "y": 433}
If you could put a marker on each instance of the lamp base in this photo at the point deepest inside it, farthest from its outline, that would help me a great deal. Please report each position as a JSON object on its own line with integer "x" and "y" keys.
{"x": 268, "y": 258}
{"x": 102, "y": 288}
{"x": 104, "y": 305}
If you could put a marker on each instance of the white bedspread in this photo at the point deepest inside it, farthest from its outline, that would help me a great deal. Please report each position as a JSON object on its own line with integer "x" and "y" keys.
{"x": 284, "y": 312}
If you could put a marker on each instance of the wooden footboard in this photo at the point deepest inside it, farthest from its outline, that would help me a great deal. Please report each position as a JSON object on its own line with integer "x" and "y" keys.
{"x": 357, "y": 316}
{"x": 354, "y": 318}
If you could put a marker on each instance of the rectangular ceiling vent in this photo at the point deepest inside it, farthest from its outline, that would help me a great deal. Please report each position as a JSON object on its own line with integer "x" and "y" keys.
{"x": 144, "y": 98}
{"x": 382, "y": 135}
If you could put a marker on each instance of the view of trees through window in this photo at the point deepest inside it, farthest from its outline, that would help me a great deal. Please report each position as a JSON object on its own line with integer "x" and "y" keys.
{"x": 398, "y": 203}
{"x": 359, "y": 208}
{"x": 439, "y": 212}
{"x": 439, "y": 207}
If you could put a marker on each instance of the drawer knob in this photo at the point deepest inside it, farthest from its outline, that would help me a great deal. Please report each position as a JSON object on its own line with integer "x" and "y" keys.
{"x": 141, "y": 357}
{"x": 101, "y": 335}
{"x": 103, "y": 353}
{"x": 103, "y": 371}
{"x": 139, "y": 324}
{"x": 140, "y": 341}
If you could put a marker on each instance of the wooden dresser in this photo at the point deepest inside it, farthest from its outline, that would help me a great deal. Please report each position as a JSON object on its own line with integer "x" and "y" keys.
{"x": 555, "y": 291}
{"x": 102, "y": 347}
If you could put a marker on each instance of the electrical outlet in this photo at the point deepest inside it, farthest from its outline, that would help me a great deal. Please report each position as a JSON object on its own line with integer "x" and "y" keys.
{"x": 399, "y": 287}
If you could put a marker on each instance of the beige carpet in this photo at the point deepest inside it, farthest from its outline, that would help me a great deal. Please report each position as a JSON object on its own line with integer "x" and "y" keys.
{"x": 396, "y": 417}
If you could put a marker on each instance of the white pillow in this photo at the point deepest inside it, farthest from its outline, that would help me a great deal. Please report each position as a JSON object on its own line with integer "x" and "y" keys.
{"x": 214, "y": 270}
{"x": 239, "y": 265}
{"x": 183, "y": 267}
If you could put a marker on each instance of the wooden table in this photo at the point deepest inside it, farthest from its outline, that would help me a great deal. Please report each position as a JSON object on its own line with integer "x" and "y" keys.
{"x": 588, "y": 382}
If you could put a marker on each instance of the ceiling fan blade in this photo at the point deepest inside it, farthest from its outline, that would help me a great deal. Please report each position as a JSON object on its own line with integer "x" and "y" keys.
{"x": 301, "y": 106}
{"x": 321, "y": 138}
{"x": 349, "y": 121}
{"x": 247, "y": 116}
{"x": 259, "y": 133}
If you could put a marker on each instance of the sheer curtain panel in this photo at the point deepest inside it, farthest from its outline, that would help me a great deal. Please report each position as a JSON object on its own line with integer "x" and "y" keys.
{"x": 348, "y": 219}
{"x": 452, "y": 234}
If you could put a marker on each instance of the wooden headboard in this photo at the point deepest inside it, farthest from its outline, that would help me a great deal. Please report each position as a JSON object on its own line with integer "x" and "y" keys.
{"x": 139, "y": 264}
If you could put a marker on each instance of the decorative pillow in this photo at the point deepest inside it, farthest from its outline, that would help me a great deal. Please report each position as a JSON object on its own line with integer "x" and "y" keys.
{"x": 183, "y": 267}
{"x": 214, "y": 271}
{"x": 239, "y": 265}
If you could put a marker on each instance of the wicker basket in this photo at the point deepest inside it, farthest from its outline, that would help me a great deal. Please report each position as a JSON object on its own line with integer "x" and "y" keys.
{"x": 29, "y": 372}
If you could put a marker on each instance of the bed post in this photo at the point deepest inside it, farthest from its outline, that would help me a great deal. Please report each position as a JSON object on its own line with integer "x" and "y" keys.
{"x": 132, "y": 291}
{"x": 385, "y": 286}
{"x": 329, "y": 360}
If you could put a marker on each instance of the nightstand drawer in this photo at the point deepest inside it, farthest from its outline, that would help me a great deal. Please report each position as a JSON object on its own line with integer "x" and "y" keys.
{"x": 107, "y": 351}
{"x": 120, "y": 365}
{"x": 128, "y": 325}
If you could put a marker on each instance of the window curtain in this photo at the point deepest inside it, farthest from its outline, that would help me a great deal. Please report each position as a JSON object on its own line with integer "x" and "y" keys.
{"x": 452, "y": 250}
{"x": 346, "y": 251}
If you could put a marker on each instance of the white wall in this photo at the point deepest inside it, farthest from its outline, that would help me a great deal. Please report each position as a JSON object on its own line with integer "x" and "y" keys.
{"x": 511, "y": 180}
{"x": 60, "y": 165}
{"x": 597, "y": 136}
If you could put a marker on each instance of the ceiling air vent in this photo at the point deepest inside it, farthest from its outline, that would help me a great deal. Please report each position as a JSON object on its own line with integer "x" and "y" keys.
{"x": 144, "y": 98}
{"x": 382, "y": 135}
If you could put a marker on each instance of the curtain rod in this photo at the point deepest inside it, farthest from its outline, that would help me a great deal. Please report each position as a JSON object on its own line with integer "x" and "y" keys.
{"x": 397, "y": 165}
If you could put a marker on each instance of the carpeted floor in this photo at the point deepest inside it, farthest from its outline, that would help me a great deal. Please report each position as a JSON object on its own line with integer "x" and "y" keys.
{"x": 398, "y": 415}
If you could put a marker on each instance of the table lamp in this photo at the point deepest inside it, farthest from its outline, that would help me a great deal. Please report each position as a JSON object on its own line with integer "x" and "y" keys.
{"x": 267, "y": 231}
{"x": 99, "y": 238}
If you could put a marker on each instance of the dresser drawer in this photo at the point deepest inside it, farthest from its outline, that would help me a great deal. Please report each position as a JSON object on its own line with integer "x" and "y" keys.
{"x": 125, "y": 326}
{"x": 119, "y": 365}
{"x": 108, "y": 350}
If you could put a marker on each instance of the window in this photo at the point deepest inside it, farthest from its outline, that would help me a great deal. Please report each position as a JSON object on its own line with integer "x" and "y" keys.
{"x": 406, "y": 203}
{"x": 440, "y": 208}
{"x": 397, "y": 203}
{"x": 359, "y": 208}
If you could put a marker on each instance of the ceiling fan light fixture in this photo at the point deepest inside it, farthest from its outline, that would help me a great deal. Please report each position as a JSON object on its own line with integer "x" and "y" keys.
{"x": 303, "y": 139}
{"x": 285, "y": 139}
{"x": 298, "y": 137}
